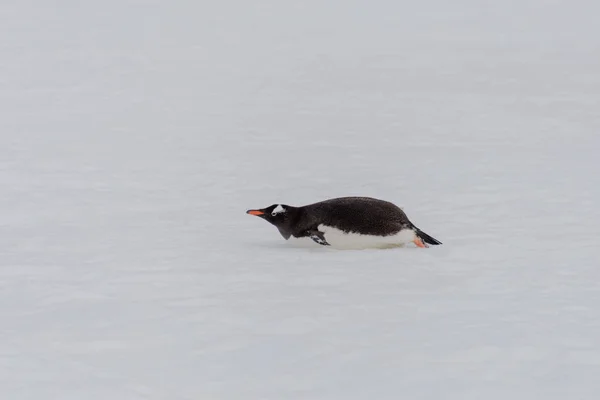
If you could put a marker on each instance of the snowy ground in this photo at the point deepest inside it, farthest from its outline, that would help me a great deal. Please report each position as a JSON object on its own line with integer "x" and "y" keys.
{"x": 134, "y": 135}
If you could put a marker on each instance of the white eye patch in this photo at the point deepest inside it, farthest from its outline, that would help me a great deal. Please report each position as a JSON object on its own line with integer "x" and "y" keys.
{"x": 277, "y": 210}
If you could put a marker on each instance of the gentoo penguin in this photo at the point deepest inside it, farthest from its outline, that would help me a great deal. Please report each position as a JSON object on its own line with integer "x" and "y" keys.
{"x": 346, "y": 222}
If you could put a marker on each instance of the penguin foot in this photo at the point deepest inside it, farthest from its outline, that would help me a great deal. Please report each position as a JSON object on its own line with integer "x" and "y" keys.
{"x": 419, "y": 242}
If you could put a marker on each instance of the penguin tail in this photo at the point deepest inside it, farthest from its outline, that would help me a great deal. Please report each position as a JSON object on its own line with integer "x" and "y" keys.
{"x": 422, "y": 239}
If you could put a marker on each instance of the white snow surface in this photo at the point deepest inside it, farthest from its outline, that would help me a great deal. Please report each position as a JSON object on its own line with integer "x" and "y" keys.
{"x": 132, "y": 131}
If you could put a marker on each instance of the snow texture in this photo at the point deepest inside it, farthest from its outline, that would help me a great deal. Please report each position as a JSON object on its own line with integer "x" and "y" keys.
{"x": 132, "y": 130}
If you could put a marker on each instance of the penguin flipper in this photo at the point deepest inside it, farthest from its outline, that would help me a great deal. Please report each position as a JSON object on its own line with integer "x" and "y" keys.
{"x": 318, "y": 237}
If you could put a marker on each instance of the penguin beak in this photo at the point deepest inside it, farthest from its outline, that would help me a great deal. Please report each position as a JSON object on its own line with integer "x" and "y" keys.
{"x": 255, "y": 212}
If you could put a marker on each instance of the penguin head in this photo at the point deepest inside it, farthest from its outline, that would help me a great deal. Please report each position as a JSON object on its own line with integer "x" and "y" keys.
{"x": 278, "y": 215}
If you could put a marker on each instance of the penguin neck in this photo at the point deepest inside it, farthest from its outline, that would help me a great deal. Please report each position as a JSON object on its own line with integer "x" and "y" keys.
{"x": 293, "y": 225}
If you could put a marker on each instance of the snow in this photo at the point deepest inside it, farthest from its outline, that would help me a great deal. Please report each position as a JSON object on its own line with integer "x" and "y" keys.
{"x": 131, "y": 132}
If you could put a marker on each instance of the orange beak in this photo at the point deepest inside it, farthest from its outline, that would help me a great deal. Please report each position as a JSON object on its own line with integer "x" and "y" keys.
{"x": 254, "y": 212}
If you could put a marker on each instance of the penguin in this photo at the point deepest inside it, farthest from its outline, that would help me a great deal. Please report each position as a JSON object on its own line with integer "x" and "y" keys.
{"x": 346, "y": 223}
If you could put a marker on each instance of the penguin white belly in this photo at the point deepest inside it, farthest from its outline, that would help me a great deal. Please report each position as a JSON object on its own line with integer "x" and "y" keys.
{"x": 341, "y": 240}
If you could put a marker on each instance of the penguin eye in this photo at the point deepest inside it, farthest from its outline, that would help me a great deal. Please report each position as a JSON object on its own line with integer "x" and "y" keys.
{"x": 278, "y": 210}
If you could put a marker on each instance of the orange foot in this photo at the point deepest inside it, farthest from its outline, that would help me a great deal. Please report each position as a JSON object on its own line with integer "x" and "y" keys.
{"x": 419, "y": 242}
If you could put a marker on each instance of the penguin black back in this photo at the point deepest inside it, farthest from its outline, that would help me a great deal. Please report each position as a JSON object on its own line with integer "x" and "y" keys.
{"x": 364, "y": 215}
